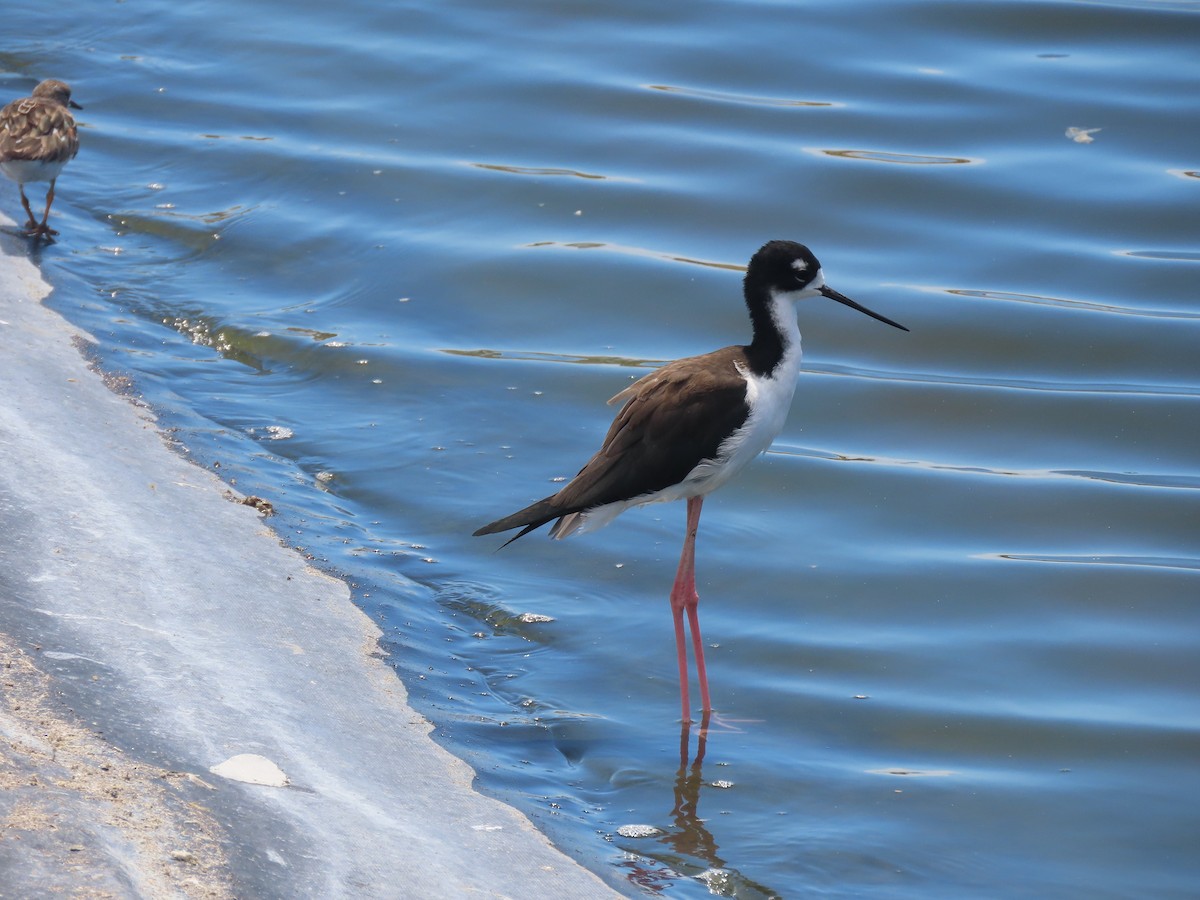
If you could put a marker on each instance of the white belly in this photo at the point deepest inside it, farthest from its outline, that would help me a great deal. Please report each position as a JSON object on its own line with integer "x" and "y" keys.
{"x": 24, "y": 171}
{"x": 769, "y": 399}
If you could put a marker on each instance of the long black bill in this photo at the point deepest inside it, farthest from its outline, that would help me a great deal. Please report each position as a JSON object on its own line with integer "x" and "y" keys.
{"x": 829, "y": 292}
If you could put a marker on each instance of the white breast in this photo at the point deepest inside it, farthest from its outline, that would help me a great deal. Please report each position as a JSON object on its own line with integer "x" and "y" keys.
{"x": 769, "y": 399}
{"x": 24, "y": 171}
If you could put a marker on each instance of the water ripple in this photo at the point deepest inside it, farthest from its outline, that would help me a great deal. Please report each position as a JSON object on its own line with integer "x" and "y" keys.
{"x": 832, "y": 369}
{"x": 884, "y": 156}
{"x": 1157, "y": 562}
{"x": 1171, "y": 255}
{"x": 1131, "y": 479}
{"x": 544, "y": 170}
{"x": 747, "y": 99}
{"x": 544, "y": 356}
{"x": 1043, "y": 300}
{"x": 640, "y": 251}
{"x": 1009, "y": 384}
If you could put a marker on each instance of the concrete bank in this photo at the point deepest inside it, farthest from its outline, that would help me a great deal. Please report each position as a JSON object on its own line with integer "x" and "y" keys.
{"x": 152, "y": 630}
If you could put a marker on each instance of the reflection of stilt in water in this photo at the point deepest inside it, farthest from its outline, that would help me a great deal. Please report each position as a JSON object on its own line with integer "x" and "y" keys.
{"x": 693, "y": 849}
{"x": 689, "y": 850}
{"x": 690, "y": 837}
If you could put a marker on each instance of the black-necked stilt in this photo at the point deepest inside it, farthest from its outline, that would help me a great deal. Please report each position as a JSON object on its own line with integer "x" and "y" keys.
{"x": 686, "y": 428}
{"x": 38, "y": 138}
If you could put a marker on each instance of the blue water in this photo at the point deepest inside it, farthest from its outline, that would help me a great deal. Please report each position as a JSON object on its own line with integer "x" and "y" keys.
{"x": 384, "y": 263}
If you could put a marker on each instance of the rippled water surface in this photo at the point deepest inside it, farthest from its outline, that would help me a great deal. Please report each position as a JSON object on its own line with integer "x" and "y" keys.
{"x": 384, "y": 263}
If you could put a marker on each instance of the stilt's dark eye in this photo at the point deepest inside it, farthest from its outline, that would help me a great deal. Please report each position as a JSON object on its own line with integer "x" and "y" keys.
{"x": 802, "y": 272}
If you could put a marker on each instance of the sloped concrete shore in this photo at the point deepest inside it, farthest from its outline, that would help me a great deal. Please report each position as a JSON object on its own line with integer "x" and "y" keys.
{"x": 150, "y": 631}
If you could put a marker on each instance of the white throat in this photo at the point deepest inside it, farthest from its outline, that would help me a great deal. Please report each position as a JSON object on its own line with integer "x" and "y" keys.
{"x": 783, "y": 315}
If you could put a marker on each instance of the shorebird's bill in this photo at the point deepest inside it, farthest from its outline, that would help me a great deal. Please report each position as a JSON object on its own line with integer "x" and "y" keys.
{"x": 829, "y": 292}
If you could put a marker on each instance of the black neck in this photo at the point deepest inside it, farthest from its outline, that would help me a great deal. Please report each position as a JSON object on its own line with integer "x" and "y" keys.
{"x": 766, "y": 348}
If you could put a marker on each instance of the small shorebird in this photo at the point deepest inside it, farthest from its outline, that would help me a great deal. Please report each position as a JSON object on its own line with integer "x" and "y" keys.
{"x": 38, "y": 138}
{"x": 688, "y": 427}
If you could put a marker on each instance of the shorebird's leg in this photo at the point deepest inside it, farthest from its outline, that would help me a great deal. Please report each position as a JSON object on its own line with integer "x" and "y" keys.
{"x": 685, "y": 599}
{"x": 32, "y": 223}
{"x": 693, "y": 608}
{"x": 43, "y": 229}
{"x": 681, "y": 648}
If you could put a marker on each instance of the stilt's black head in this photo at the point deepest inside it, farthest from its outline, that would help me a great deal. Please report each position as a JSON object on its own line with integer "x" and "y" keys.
{"x": 781, "y": 267}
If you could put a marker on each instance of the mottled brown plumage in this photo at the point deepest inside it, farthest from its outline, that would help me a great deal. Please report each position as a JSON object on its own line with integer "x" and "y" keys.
{"x": 37, "y": 138}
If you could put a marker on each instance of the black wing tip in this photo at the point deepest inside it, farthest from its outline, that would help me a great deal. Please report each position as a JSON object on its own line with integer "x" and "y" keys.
{"x": 506, "y": 524}
{"x": 497, "y": 527}
{"x": 533, "y": 516}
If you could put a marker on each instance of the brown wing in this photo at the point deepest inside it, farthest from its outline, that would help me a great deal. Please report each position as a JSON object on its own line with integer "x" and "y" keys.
{"x": 673, "y": 419}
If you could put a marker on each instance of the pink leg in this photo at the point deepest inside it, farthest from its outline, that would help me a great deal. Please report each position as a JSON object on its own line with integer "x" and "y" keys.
{"x": 698, "y": 652}
{"x": 684, "y": 598}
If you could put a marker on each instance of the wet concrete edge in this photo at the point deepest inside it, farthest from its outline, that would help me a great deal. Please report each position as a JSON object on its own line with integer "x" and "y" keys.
{"x": 150, "y": 629}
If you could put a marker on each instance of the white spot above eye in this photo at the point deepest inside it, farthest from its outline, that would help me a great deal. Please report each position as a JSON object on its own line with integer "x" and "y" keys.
{"x": 800, "y": 265}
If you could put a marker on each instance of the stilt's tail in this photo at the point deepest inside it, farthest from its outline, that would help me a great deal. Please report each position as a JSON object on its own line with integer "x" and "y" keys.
{"x": 533, "y": 516}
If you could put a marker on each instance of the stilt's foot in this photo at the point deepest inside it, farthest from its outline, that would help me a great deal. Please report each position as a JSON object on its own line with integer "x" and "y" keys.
{"x": 40, "y": 231}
